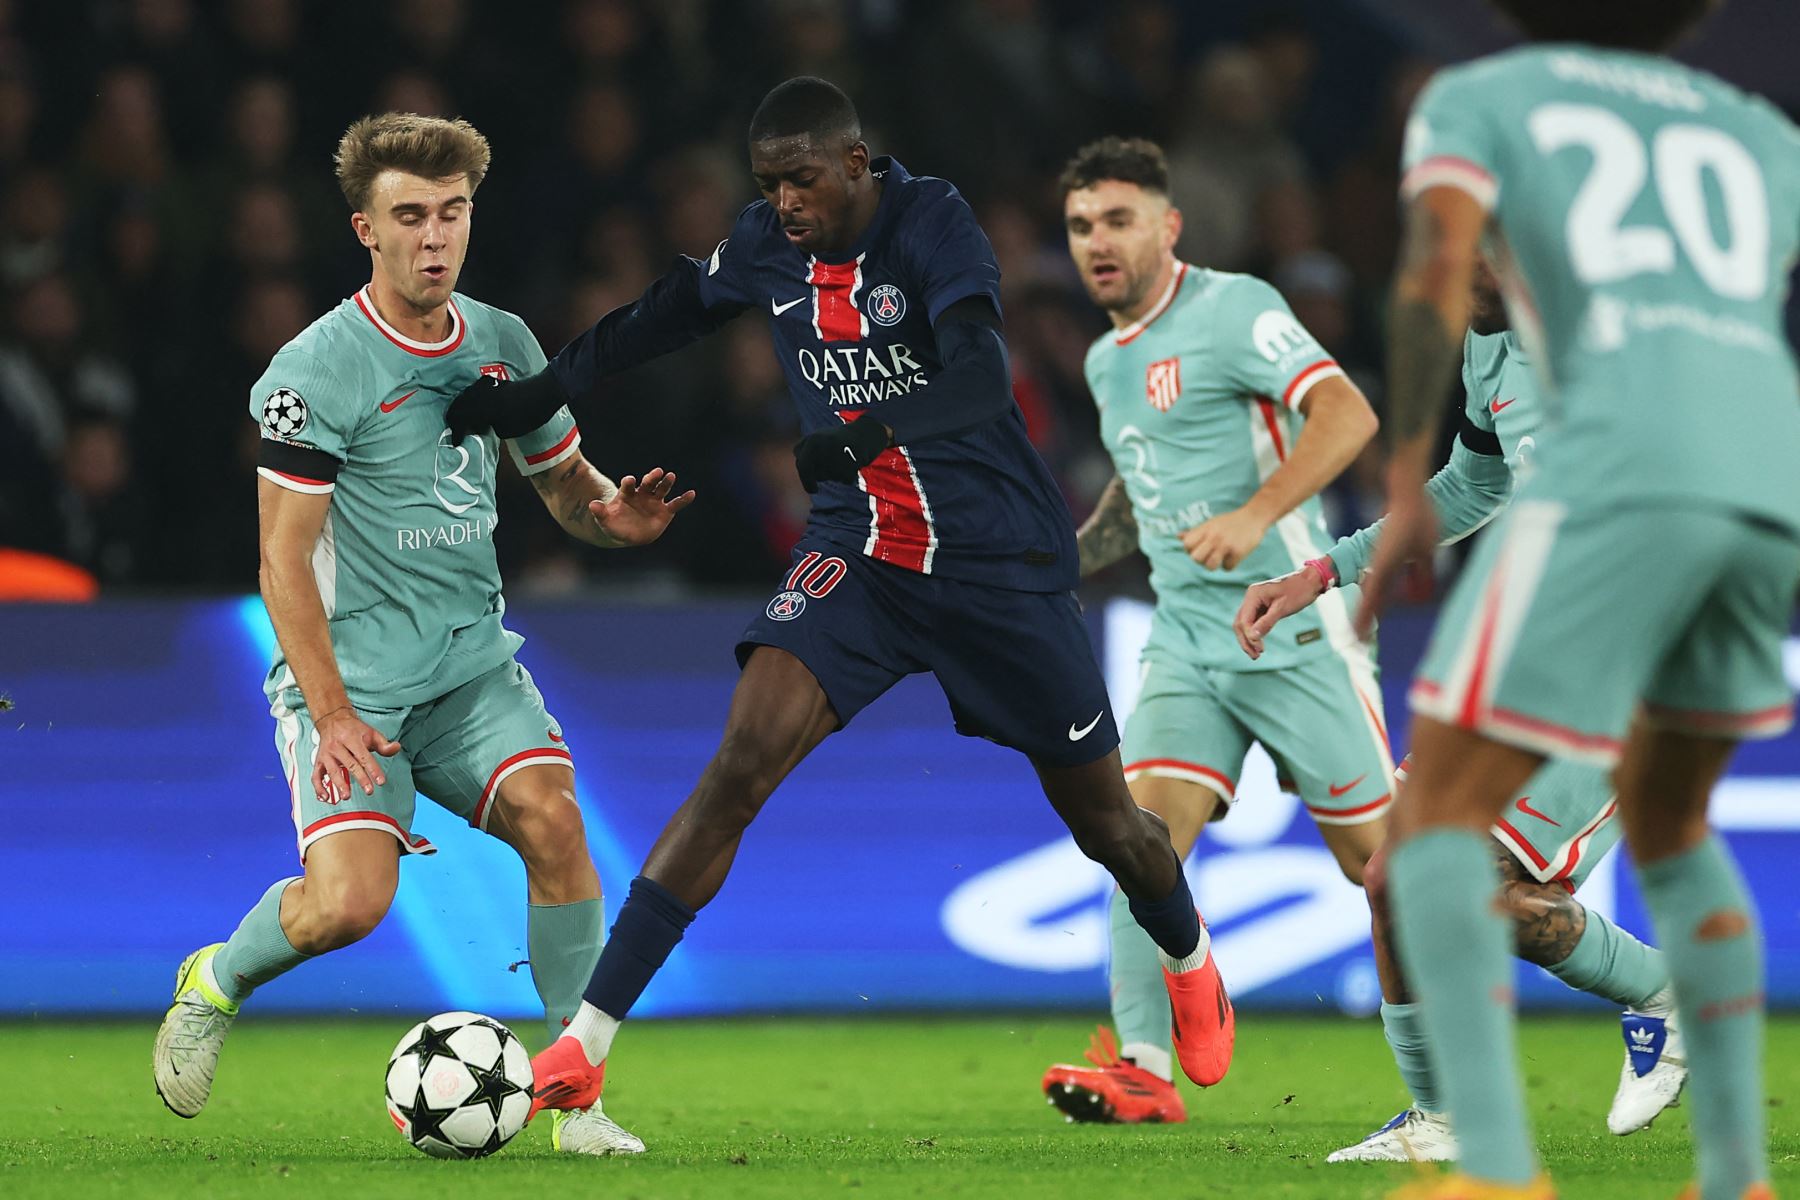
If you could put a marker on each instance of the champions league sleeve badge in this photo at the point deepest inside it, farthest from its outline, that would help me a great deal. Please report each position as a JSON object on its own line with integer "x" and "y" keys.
{"x": 284, "y": 413}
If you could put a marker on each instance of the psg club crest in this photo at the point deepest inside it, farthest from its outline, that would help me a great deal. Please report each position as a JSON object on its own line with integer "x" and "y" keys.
{"x": 1162, "y": 383}
{"x": 786, "y": 606}
{"x": 284, "y": 413}
{"x": 496, "y": 371}
{"x": 887, "y": 304}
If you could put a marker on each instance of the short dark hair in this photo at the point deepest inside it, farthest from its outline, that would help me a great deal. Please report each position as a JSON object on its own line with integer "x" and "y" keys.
{"x": 1653, "y": 25}
{"x": 1128, "y": 160}
{"x": 806, "y": 106}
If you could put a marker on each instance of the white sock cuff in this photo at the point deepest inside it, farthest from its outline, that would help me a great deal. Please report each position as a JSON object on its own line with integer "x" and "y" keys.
{"x": 1192, "y": 962}
{"x": 594, "y": 1030}
{"x": 1155, "y": 1059}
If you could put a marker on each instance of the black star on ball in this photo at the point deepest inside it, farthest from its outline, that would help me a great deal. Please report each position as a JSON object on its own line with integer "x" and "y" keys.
{"x": 492, "y": 1087}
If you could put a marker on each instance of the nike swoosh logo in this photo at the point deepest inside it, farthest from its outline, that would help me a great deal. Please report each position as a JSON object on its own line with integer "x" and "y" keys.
{"x": 1337, "y": 790}
{"x": 1495, "y": 404}
{"x": 1075, "y": 735}
{"x": 1524, "y": 806}
{"x": 391, "y": 405}
{"x": 778, "y": 309}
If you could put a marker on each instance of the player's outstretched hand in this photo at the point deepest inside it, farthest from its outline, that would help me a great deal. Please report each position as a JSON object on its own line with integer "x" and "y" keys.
{"x": 1267, "y": 602}
{"x": 640, "y": 510}
{"x": 1409, "y": 534}
{"x": 837, "y": 455}
{"x": 509, "y": 408}
{"x": 1226, "y": 540}
{"x": 345, "y": 742}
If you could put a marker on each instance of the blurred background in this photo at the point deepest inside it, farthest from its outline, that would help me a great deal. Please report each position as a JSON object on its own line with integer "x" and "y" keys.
{"x": 168, "y": 219}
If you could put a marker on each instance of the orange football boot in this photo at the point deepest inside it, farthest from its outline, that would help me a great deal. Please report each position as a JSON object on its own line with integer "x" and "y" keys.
{"x": 1756, "y": 1191}
{"x": 562, "y": 1077}
{"x": 1205, "y": 1026}
{"x": 1112, "y": 1091}
{"x": 1462, "y": 1187}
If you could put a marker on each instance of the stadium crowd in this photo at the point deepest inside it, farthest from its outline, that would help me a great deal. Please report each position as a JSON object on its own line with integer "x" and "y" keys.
{"x": 168, "y": 219}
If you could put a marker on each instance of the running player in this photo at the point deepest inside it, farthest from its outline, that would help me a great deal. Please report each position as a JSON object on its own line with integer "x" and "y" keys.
{"x": 1223, "y": 418}
{"x": 379, "y": 575}
{"x": 1631, "y": 605}
{"x": 938, "y": 542}
{"x": 1557, "y": 832}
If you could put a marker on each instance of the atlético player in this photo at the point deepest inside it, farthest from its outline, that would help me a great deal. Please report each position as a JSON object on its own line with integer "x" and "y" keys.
{"x": 937, "y": 542}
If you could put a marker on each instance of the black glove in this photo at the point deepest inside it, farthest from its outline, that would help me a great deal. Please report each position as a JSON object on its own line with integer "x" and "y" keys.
{"x": 511, "y": 409}
{"x": 836, "y": 455}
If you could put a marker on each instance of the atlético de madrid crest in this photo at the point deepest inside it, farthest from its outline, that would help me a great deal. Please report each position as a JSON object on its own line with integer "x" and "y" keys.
{"x": 887, "y": 304}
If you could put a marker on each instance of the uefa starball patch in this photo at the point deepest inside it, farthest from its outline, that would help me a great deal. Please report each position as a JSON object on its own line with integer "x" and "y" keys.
{"x": 284, "y": 413}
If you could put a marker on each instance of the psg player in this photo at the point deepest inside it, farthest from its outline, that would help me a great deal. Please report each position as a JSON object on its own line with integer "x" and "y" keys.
{"x": 937, "y": 542}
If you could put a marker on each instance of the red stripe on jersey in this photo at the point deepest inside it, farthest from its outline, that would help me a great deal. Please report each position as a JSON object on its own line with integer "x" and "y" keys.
{"x": 900, "y": 529}
{"x": 1269, "y": 418}
{"x": 835, "y": 287}
{"x": 532, "y": 460}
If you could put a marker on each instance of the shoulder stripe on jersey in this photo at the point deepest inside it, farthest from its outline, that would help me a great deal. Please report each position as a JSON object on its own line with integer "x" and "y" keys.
{"x": 412, "y": 345}
{"x": 545, "y": 459}
{"x": 1129, "y": 334}
{"x": 1303, "y": 382}
{"x": 1447, "y": 170}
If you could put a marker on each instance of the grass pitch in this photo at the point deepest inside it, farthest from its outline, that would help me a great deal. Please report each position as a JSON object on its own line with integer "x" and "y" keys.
{"x": 805, "y": 1107}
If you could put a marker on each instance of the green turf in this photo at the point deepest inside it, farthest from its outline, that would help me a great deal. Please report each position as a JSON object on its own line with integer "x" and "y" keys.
{"x": 872, "y": 1107}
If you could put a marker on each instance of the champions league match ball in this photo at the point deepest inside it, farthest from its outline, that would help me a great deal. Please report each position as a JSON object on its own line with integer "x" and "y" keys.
{"x": 459, "y": 1085}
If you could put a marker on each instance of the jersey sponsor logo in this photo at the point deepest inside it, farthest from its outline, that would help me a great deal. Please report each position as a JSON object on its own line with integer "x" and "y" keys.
{"x": 778, "y": 309}
{"x": 495, "y": 371}
{"x": 857, "y": 375}
{"x": 1279, "y": 338}
{"x": 284, "y": 413}
{"x": 388, "y": 406}
{"x": 786, "y": 606}
{"x": 887, "y": 304}
{"x": 1496, "y": 404}
{"x": 461, "y": 473}
{"x": 457, "y": 533}
{"x": 1162, "y": 383}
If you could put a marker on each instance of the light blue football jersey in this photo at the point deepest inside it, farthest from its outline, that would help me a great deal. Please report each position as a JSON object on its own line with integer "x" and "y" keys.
{"x": 405, "y": 564}
{"x": 1646, "y": 217}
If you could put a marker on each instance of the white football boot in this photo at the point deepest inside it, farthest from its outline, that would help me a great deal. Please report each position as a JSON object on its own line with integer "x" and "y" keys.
{"x": 590, "y": 1131}
{"x": 1413, "y": 1136}
{"x": 1655, "y": 1067}
{"x": 193, "y": 1030}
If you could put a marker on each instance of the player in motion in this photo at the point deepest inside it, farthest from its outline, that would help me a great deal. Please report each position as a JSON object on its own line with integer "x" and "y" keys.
{"x": 937, "y": 542}
{"x": 379, "y": 576}
{"x": 1223, "y": 418}
{"x": 1629, "y": 607}
{"x": 1553, "y": 836}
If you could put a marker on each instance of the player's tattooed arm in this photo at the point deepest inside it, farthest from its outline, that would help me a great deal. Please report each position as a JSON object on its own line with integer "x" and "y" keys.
{"x": 1547, "y": 921}
{"x": 610, "y": 515}
{"x": 1110, "y": 533}
{"x": 1430, "y": 314}
{"x": 1425, "y": 332}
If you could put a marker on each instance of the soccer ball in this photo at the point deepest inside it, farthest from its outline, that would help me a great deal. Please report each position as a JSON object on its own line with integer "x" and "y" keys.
{"x": 284, "y": 413}
{"x": 459, "y": 1085}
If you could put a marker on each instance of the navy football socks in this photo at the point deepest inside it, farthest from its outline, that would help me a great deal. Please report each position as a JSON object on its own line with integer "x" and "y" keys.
{"x": 650, "y": 923}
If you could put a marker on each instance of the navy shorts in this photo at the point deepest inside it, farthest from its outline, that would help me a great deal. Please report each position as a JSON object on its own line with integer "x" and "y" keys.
{"x": 1017, "y": 667}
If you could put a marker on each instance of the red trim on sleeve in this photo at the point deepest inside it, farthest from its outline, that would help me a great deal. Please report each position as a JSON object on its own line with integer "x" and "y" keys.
{"x": 532, "y": 460}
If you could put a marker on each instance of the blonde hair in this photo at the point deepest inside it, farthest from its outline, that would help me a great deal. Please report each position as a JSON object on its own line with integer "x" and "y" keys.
{"x": 429, "y": 147}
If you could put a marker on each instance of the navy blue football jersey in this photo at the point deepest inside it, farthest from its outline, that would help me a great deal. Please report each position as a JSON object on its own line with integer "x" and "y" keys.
{"x": 855, "y": 330}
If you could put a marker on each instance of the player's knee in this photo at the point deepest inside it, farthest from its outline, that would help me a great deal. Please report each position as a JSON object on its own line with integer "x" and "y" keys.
{"x": 338, "y": 916}
{"x": 1374, "y": 880}
{"x": 543, "y": 826}
{"x": 1115, "y": 839}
